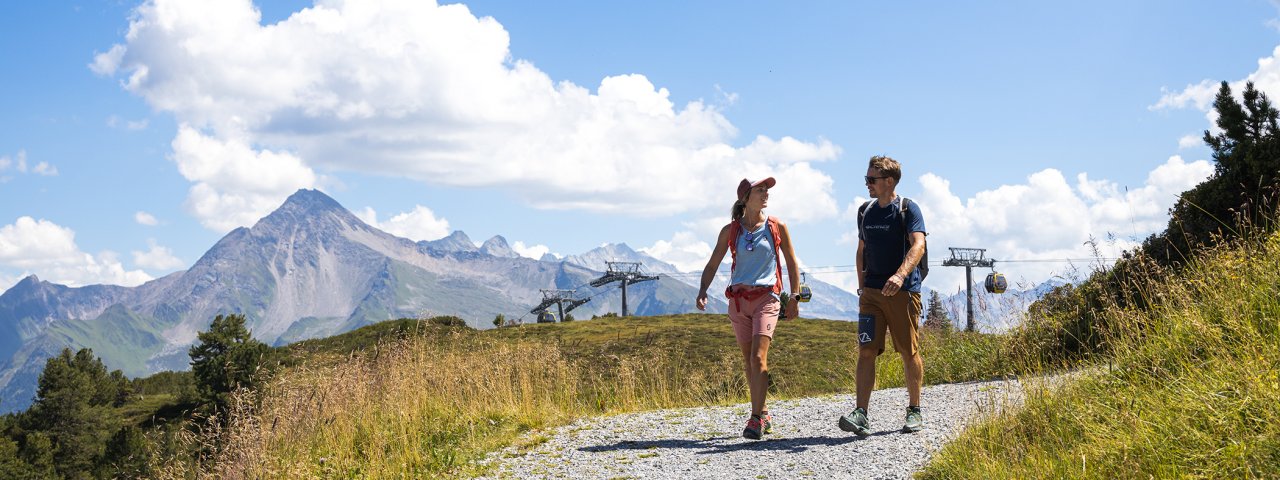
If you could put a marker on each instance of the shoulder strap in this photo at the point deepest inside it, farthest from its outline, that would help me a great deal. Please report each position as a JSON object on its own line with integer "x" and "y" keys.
{"x": 772, "y": 223}
{"x": 862, "y": 213}
{"x": 902, "y": 208}
{"x": 735, "y": 229}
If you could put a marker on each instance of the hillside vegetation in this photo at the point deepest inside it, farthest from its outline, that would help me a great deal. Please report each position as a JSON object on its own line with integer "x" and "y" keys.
{"x": 1191, "y": 388}
{"x": 396, "y": 400}
{"x": 1178, "y": 342}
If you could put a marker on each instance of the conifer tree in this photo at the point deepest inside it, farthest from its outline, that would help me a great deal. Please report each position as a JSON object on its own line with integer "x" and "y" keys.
{"x": 936, "y": 316}
{"x": 228, "y": 358}
{"x": 72, "y": 408}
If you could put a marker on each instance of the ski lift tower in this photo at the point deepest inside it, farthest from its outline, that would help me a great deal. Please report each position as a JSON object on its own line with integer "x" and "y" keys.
{"x": 562, "y": 299}
{"x": 625, "y": 272}
{"x": 969, "y": 258}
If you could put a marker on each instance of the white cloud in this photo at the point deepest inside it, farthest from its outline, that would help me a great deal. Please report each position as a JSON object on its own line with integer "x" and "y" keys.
{"x": 43, "y": 168}
{"x": 418, "y": 224}
{"x": 1266, "y": 79}
{"x": 1045, "y": 218}
{"x": 1189, "y": 141}
{"x": 20, "y": 165}
{"x": 430, "y": 92}
{"x": 144, "y": 218}
{"x": 49, "y": 251}
{"x": 534, "y": 251}
{"x": 685, "y": 250}
{"x": 1199, "y": 95}
{"x": 234, "y": 184}
{"x": 156, "y": 258}
{"x": 114, "y": 121}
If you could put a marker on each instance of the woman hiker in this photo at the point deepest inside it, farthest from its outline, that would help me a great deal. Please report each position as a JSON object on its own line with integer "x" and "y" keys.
{"x": 757, "y": 244}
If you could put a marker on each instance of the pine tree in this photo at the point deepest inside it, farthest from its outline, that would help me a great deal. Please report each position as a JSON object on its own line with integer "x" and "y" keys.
{"x": 228, "y": 358}
{"x": 72, "y": 408}
{"x": 936, "y": 316}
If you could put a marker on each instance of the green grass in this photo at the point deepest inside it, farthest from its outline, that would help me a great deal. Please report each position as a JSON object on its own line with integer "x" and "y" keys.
{"x": 1190, "y": 388}
{"x": 416, "y": 399}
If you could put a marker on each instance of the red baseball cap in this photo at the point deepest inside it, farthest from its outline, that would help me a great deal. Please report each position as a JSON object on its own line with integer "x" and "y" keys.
{"x": 745, "y": 185}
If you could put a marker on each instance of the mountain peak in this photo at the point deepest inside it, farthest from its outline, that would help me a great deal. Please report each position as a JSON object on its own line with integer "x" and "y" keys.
{"x": 458, "y": 241}
{"x": 307, "y": 207}
{"x": 498, "y": 247}
{"x": 311, "y": 201}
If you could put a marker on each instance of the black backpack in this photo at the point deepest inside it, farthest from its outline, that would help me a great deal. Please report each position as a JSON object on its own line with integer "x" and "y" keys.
{"x": 923, "y": 265}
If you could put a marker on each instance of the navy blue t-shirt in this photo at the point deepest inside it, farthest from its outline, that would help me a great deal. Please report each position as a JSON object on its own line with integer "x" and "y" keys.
{"x": 886, "y": 243}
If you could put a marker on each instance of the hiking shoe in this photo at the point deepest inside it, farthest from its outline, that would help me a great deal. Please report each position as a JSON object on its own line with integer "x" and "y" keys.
{"x": 754, "y": 428}
{"x": 856, "y": 422}
{"x": 766, "y": 422}
{"x": 914, "y": 420}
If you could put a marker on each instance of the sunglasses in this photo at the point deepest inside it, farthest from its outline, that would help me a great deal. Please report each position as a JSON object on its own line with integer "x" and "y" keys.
{"x": 871, "y": 180}
{"x": 751, "y": 240}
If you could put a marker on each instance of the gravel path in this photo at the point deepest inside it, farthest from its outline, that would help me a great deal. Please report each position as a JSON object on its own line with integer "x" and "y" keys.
{"x": 706, "y": 442}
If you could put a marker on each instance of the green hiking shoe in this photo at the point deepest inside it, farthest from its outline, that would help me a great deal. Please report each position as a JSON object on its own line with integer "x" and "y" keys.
{"x": 766, "y": 423}
{"x": 915, "y": 421}
{"x": 856, "y": 422}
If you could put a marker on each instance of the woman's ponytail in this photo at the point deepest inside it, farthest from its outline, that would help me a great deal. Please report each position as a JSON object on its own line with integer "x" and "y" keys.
{"x": 739, "y": 209}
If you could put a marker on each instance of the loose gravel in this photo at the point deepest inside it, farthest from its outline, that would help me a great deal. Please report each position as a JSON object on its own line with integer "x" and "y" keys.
{"x": 706, "y": 442}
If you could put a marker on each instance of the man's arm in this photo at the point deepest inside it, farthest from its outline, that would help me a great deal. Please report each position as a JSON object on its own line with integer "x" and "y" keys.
{"x": 913, "y": 255}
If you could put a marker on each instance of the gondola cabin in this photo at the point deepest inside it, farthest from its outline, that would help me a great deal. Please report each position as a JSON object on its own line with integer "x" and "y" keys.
{"x": 996, "y": 283}
{"x": 546, "y": 317}
{"x": 805, "y": 293}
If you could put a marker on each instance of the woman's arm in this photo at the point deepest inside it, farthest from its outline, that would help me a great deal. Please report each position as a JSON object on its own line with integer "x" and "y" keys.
{"x": 793, "y": 271}
{"x": 713, "y": 264}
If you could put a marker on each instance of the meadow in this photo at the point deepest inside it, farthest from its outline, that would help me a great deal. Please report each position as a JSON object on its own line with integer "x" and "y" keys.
{"x": 1189, "y": 388}
{"x": 417, "y": 399}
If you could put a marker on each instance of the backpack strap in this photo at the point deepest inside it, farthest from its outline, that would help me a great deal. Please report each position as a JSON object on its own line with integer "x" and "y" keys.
{"x": 862, "y": 213}
{"x": 772, "y": 223}
{"x": 735, "y": 229}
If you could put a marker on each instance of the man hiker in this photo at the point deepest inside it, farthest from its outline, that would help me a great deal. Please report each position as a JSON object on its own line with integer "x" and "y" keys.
{"x": 890, "y": 247}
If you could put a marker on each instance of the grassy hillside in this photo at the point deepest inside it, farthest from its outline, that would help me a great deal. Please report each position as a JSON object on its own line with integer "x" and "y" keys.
{"x": 1191, "y": 388}
{"x": 416, "y": 399}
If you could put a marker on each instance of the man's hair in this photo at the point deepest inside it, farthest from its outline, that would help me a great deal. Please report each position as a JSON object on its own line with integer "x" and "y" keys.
{"x": 887, "y": 166}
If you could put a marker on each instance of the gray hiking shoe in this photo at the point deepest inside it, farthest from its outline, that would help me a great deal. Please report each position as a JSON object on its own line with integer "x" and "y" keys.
{"x": 915, "y": 421}
{"x": 856, "y": 422}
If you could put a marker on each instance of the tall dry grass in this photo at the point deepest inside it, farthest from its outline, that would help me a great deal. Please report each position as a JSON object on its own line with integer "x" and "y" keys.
{"x": 1188, "y": 388}
{"x": 427, "y": 407}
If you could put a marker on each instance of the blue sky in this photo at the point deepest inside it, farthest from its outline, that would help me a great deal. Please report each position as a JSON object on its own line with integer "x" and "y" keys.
{"x": 1023, "y": 127}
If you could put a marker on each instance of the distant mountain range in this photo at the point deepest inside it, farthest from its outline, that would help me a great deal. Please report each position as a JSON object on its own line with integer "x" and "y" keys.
{"x": 312, "y": 269}
{"x": 993, "y": 312}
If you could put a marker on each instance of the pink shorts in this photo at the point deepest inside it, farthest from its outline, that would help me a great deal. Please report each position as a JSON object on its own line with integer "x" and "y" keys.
{"x": 758, "y": 316}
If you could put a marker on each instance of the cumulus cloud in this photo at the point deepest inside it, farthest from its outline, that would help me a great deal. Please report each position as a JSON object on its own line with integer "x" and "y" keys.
{"x": 156, "y": 258}
{"x": 19, "y": 164}
{"x": 685, "y": 250}
{"x": 534, "y": 251}
{"x": 1190, "y": 141}
{"x": 114, "y": 121}
{"x": 1048, "y": 217}
{"x": 235, "y": 185}
{"x": 49, "y": 251}
{"x": 417, "y": 224}
{"x": 144, "y": 218}
{"x": 430, "y": 92}
{"x": 1200, "y": 96}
